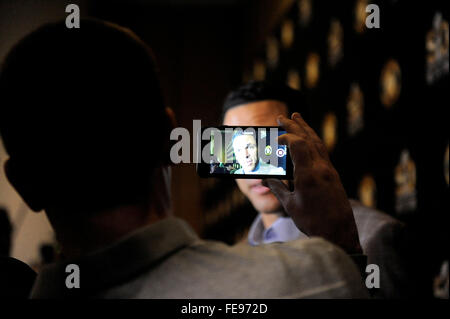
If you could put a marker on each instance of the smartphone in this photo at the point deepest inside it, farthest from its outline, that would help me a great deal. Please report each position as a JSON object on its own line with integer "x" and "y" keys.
{"x": 250, "y": 152}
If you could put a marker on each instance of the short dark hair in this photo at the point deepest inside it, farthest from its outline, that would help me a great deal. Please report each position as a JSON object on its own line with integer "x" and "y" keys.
{"x": 82, "y": 114}
{"x": 255, "y": 91}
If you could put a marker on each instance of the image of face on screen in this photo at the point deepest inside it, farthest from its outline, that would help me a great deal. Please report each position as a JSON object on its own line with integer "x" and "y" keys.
{"x": 246, "y": 151}
{"x": 249, "y": 152}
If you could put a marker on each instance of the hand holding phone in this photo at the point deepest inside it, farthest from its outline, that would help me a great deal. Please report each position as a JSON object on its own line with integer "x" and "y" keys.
{"x": 318, "y": 203}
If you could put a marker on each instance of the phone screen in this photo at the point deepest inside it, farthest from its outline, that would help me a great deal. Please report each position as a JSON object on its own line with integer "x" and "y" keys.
{"x": 245, "y": 152}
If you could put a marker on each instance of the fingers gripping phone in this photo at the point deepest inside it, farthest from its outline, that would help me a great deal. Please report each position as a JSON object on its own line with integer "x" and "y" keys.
{"x": 250, "y": 152}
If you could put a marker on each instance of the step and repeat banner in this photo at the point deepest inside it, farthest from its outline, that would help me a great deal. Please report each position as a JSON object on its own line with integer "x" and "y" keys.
{"x": 376, "y": 83}
{"x": 377, "y": 92}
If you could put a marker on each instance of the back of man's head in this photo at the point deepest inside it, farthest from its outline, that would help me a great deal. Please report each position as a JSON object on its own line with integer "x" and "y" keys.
{"x": 256, "y": 91}
{"x": 82, "y": 117}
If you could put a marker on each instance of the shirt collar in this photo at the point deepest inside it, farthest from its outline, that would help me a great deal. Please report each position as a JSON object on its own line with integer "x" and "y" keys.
{"x": 282, "y": 230}
{"x": 118, "y": 262}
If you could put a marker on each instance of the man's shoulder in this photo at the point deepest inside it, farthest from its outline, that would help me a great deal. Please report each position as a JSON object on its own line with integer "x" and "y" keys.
{"x": 208, "y": 269}
{"x": 367, "y": 216}
{"x": 376, "y": 227}
{"x": 299, "y": 268}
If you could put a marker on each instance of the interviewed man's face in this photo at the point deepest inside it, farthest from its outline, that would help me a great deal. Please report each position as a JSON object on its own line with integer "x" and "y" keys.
{"x": 246, "y": 152}
{"x": 263, "y": 113}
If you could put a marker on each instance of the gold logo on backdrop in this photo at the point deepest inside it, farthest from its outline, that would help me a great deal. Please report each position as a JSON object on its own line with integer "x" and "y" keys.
{"x": 272, "y": 52}
{"x": 440, "y": 282}
{"x": 367, "y": 191}
{"x": 293, "y": 80}
{"x": 312, "y": 70}
{"x": 405, "y": 179}
{"x": 360, "y": 16}
{"x": 391, "y": 83}
{"x": 335, "y": 42}
{"x": 436, "y": 43}
{"x": 287, "y": 33}
{"x": 446, "y": 165}
{"x": 329, "y": 131}
{"x": 259, "y": 70}
{"x": 355, "y": 110}
{"x": 304, "y": 12}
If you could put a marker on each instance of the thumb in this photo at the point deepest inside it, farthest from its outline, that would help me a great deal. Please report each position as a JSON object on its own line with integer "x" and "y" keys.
{"x": 277, "y": 187}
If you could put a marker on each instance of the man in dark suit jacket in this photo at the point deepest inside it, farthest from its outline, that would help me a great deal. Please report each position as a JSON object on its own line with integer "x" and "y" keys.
{"x": 382, "y": 237}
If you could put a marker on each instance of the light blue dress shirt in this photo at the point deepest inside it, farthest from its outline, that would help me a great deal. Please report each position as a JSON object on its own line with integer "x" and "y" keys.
{"x": 282, "y": 230}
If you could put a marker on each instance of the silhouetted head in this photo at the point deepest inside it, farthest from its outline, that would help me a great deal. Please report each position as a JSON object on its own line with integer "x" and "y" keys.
{"x": 82, "y": 117}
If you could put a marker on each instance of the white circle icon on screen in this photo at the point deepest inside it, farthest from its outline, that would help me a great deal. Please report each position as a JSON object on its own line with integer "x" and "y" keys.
{"x": 281, "y": 152}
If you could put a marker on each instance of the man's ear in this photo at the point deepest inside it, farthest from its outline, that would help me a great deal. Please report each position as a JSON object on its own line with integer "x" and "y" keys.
{"x": 172, "y": 124}
{"x": 25, "y": 185}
